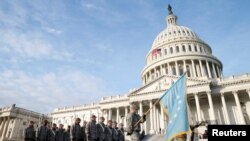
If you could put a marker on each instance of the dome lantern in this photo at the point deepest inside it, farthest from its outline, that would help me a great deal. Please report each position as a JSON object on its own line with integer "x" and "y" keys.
{"x": 171, "y": 18}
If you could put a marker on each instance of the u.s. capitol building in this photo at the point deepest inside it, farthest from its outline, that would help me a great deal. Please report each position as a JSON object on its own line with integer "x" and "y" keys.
{"x": 177, "y": 49}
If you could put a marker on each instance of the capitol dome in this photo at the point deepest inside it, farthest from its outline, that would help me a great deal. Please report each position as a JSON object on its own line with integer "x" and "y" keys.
{"x": 177, "y": 49}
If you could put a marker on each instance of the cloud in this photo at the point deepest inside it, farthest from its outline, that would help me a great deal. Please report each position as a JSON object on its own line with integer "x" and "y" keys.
{"x": 52, "y": 30}
{"x": 48, "y": 91}
{"x": 26, "y": 45}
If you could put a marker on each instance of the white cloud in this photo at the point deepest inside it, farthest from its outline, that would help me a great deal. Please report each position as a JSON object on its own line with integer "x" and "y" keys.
{"x": 52, "y": 30}
{"x": 47, "y": 91}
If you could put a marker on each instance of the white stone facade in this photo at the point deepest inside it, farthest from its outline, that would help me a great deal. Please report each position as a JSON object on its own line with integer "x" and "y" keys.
{"x": 14, "y": 120}
{"x": 211, "y": 97}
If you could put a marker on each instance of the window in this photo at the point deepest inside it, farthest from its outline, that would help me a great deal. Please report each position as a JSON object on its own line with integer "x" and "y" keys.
{"x": 173, "y": 70}
{"x": 171, "y": 50}
{"x": 165, "y": 51}
{"x": 200, "y": 49}
{"x": 195, "y": 48}
{"x": 183, "y": 48}
{"x": 189, "y": 48}
{"x": 177, "y": 49}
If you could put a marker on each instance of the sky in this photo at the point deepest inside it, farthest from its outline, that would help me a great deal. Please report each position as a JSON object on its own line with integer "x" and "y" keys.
{"x": 72, "y": 52}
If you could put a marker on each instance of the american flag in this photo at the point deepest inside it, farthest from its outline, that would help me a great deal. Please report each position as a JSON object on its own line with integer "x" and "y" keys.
{"x": 156, "y": 51}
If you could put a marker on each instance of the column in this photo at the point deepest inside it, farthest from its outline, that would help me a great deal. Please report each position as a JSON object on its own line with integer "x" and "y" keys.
{"x": 126, "y": 113}
{"x": 193, "y": 70}
{"x": 5, "y": 128}
{"x": 197, "y": 106}
{"x": 151, "y": 118}
{"x": 2, "y": 126}
{"x": 110, "y": 114}
{"x": 13, "y": 128}
{"x": 208, "y": 69}
{"x": 214, "y": 71}
{"x": 157, "y": 120}
{"x": 227, "y": 121}
{"x": 211, "y": 106}
{"x": 141, "y": 112}
{"x": 161, "y": 70}
{"x": 117, "y": 115}
{"x": 169, "y": 69}
{"x": 201, "y": 68}
{"x": 237, "y": 101}
{"x": 177, "y": 68}
{"x": 184, "y": 66}
{"x": 154, "y": 117}
{"x": 162, "y": 118}
{"x": 155, "y": 73}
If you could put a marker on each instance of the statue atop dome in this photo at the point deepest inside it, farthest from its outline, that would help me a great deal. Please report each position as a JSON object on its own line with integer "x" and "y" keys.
{"x": 170, "y": 12}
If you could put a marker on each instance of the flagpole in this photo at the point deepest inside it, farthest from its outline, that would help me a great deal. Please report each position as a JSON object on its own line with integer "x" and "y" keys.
{"x": 158, "y": 100}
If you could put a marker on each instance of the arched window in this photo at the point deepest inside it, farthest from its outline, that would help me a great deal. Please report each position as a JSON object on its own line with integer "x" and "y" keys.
{"x": 189, "y": 48}
{"x": 171, "y": 50}
{"x": 177, "y": 49}
{"x": 183, "y": 48}
{"x": 165, "y": 51}
{"x": 200, "y": 49}
{"x": 195, "y": 48}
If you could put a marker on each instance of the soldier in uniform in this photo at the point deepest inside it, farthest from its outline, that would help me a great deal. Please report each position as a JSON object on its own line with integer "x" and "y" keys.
{"x": 66, "y": 136}
{"x": 132, "y": 119}
{"x": 84, "y": 130}
{"x": 52, "y": 132}
{"x": 115, "y": 132}
{"x": 30, "y": 133}
{"x": 42, "y": 134}
{"x": 109, "y": 136}
{"x": 60, "y": 133}
{"x": 101, "y": 129}
{"x": 121, "y": 132}
{"x": 91, "y": 130}
{"x": 76, "y": 132}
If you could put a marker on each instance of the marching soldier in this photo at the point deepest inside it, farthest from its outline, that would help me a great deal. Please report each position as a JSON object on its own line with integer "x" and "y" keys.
{"x": 101, "y": 129}
{"x": 91, "y": 130}
{"x": 66, "y": 136}
{"x": 30, "y": 133}
{"x": 43, "y": 132}
{"x": 76, "y": 132}
{"x": 52, "y": 132}
{"x": 121, "y": 132}
{"x": 115, "y": 132}
{"x": 60, "y": 133}
{"x": 109, "y": 136}
{"x": 134, "y": 129}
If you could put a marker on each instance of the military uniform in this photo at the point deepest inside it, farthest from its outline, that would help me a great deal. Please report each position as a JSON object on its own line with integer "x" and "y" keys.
{"x": 60, "y": 135}
{"x": 51, "y": 135}
{"x": 109, "y": 136}
{"x": 132, "y": 119}
{"x": 101, "y": 131}
{"x": 76, "y": 133}
{"x": 30, "y": 134}
{"x": 91, "y": 131}
{"x": 115, "y": 134}
{"x": 121, "y": 135}
{"x": 42, "y": 133}
{"x": 66, "y": 136}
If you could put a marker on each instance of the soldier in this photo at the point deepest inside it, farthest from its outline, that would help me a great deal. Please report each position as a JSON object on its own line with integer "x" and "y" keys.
{"x": 121, "y": 132}
{"x": 109, "y": 131}
{"x": 101, "y": 129}
{"x": 84, "y": 130}
{"x": 60, "y": 133}
{"x": 91, "y": 130}
{"x": 76, "y": 132}
{"x": 30, "y": 133}
{"x": 115, "y": 133}
{"x": 132, "y": 119}
{"x": 43, "y": 131}
{"x": 66, "y": 136}
{"x": 52, "y": 132}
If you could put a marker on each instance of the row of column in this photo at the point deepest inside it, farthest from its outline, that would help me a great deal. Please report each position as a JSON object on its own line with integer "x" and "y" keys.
{"x": 224, "y": 105}
{"x": 209, "y": 69}
{"x": 5, "y": 122}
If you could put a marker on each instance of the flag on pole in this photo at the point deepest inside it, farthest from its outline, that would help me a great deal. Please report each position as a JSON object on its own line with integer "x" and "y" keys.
{"x": 155, "y": 52}
{"x": 175, "y": 104}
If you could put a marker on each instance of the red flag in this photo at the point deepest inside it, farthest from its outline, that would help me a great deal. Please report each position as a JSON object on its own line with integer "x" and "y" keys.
{"x": 156, "y": 51}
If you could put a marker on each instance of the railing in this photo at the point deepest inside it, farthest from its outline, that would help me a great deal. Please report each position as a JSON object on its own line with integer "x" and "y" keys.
{"x": 77, "y": 107}
{"x": 246, "y": 75}
{"x": 112, "y": 98}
